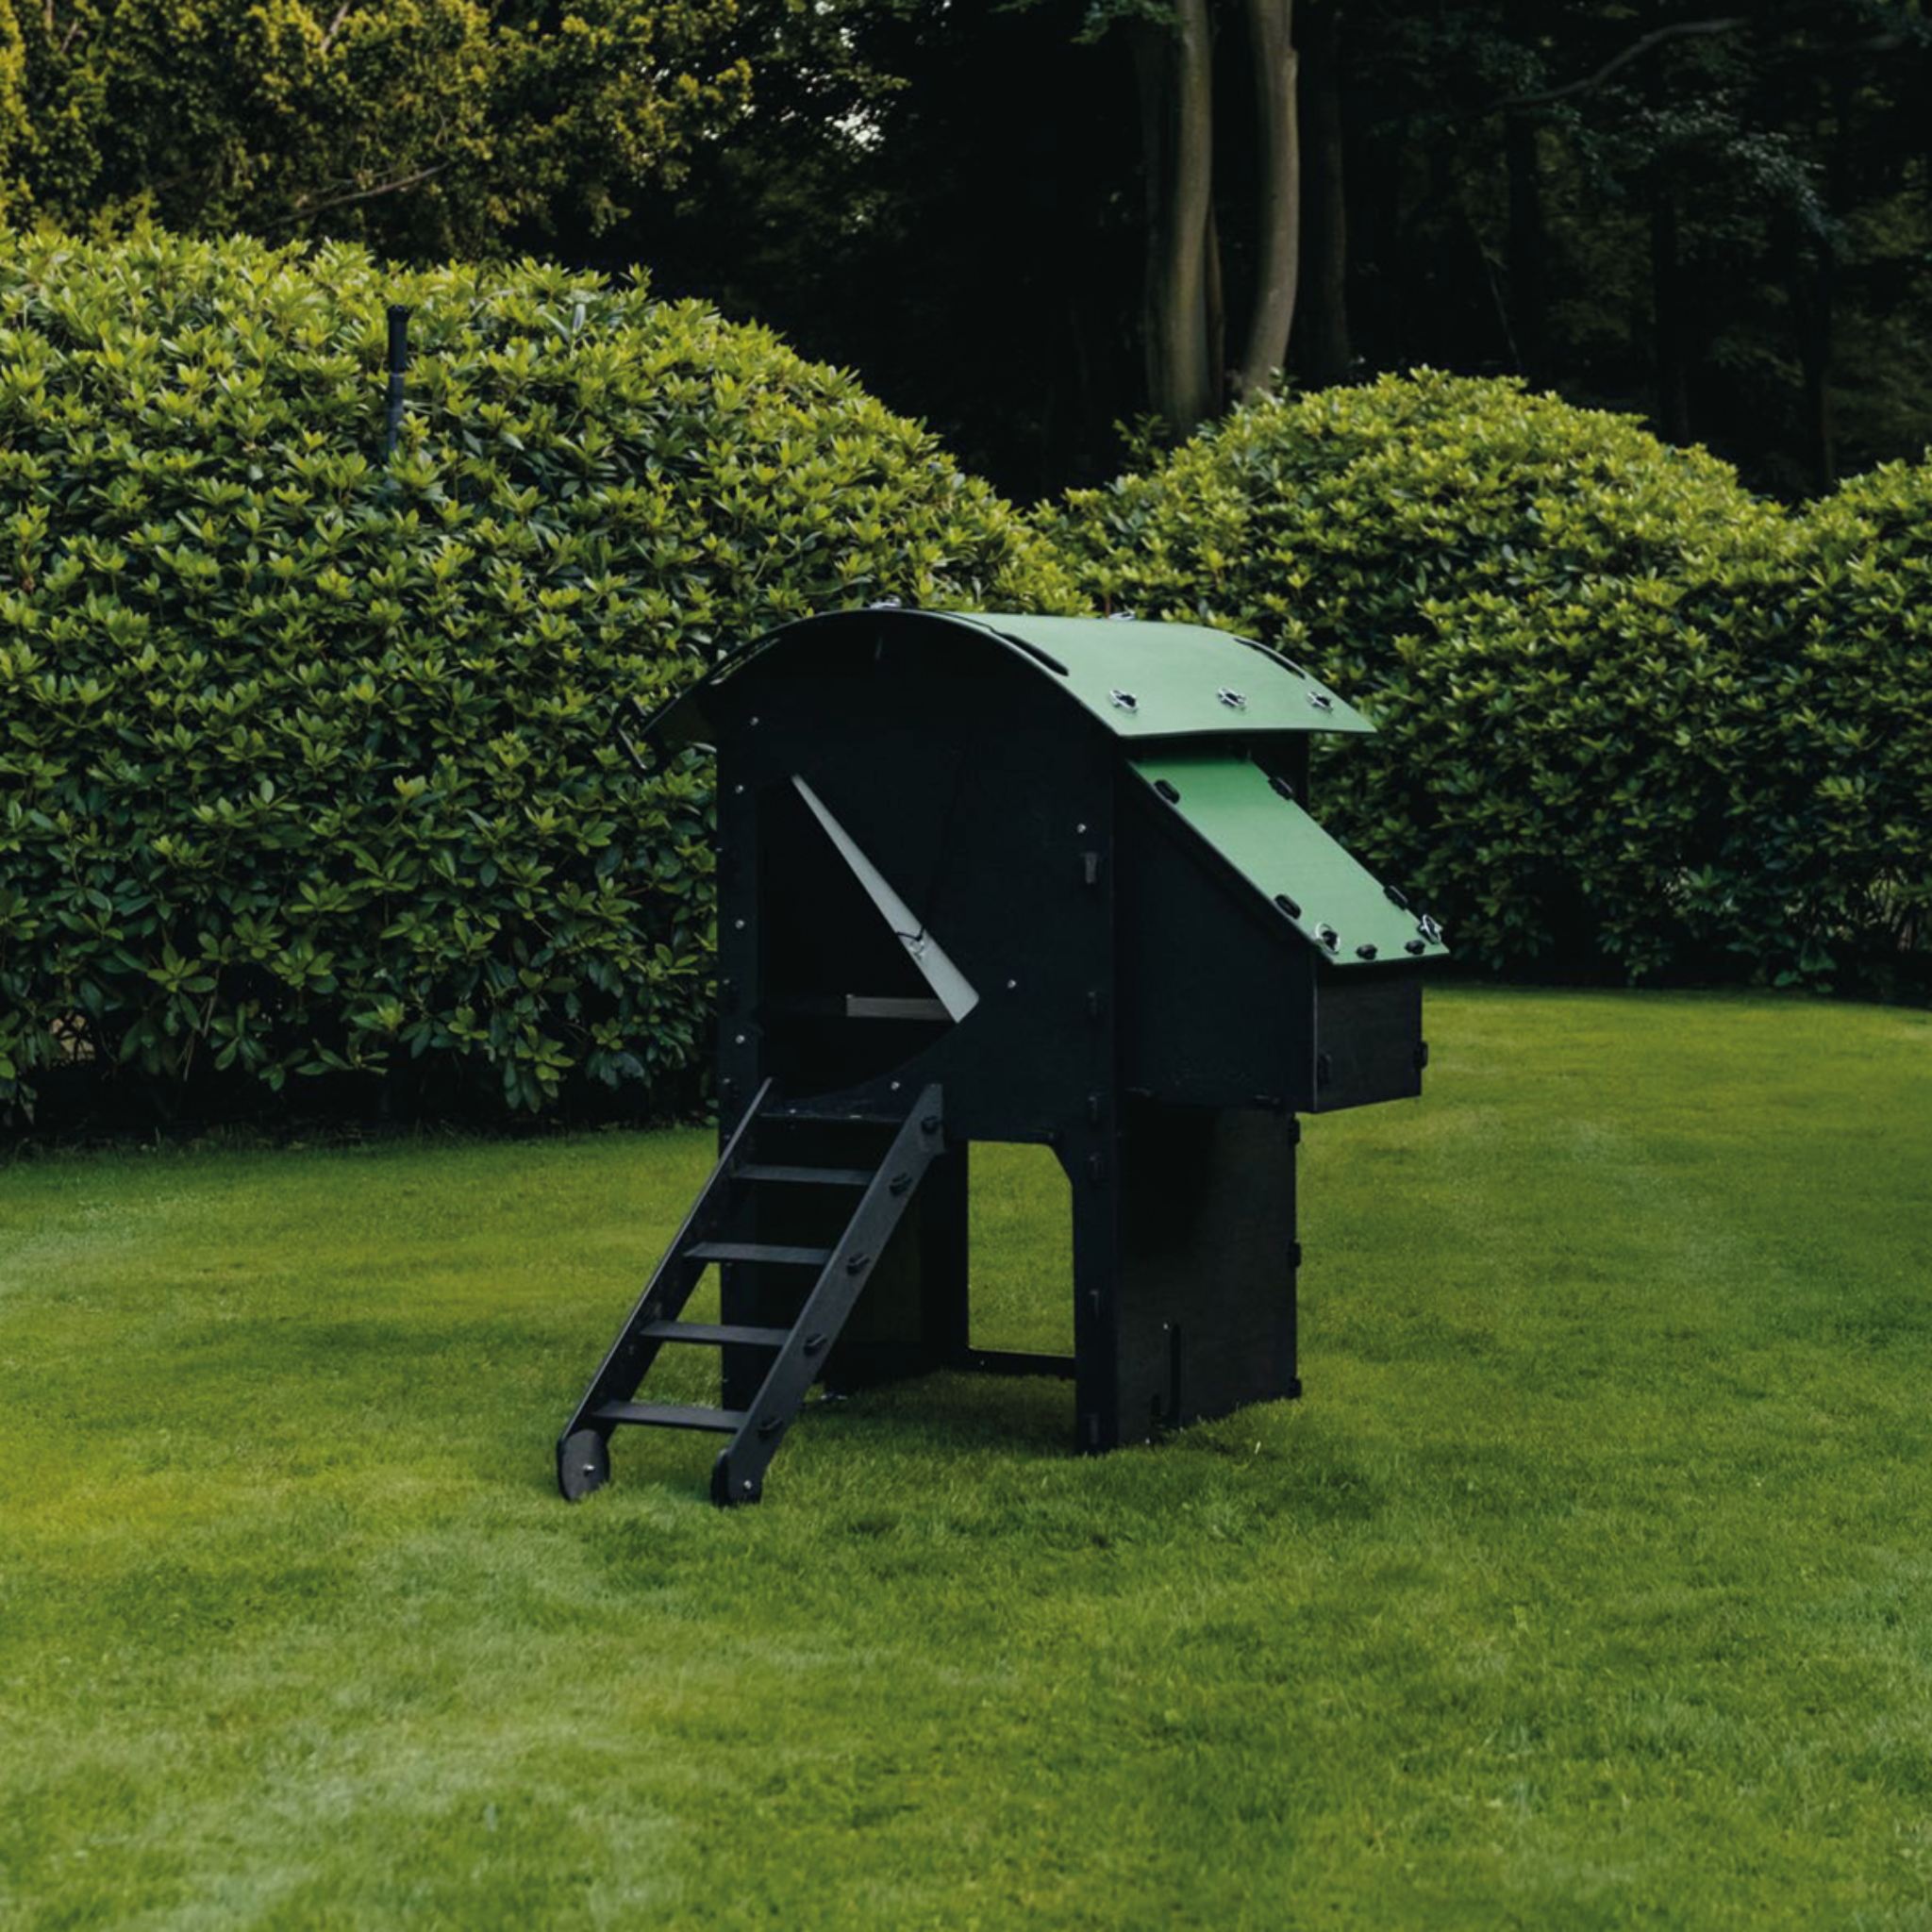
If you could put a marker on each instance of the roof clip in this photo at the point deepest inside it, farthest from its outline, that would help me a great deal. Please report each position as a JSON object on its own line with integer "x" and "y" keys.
{"x": 1232, "y": 699}
{"x": 1321, "y": 700}
{"x": 1124, "y": 700}
{"x": 1121, "y": 616}
{"x": 1429, "y": 929}
{"x": 1330, "y": 937}
{"x": 885, "y": 604}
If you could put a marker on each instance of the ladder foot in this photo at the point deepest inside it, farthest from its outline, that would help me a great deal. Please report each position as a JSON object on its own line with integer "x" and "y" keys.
{"x": 583, "y": 1464}
{"x": 729, "y": 1491}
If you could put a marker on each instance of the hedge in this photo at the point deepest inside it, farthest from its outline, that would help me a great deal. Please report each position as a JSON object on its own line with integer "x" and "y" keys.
{"x": 1633, "y": 720}
{"x": 1827, "y": 871}
{"x": 305, "y": 754}
{"x": 305, "y": 761}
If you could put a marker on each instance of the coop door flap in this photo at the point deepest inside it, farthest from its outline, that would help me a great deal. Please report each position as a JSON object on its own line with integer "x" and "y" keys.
{"x": 950, "y": 987}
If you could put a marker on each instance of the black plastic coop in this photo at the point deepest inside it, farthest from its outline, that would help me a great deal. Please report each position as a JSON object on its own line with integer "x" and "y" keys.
{"x": 1019, "y": 879}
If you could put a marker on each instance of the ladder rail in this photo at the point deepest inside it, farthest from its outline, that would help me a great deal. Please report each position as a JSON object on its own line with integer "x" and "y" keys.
{"x": 631, "y": 1355}
{"x": 737, "y": 1476}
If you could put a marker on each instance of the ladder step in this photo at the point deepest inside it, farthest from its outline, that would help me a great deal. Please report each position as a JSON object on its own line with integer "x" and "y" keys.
{"x": 759, "y": 1251}
{"x": 672, "y": 1415}
{"x": 807, "y": 1176}
{"x": 713, "y": 1332}
{"x": 832, "y": 1112}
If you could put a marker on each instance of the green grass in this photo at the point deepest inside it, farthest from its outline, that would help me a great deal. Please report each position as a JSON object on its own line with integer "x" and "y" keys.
{"x": 1591, "y": 1583}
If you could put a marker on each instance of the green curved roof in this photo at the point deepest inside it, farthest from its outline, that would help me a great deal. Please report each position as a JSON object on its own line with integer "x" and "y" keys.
{"x": 1185, "y": 697}
{"x": 1138, "y": 679}
{"x": 1179, "y": 679}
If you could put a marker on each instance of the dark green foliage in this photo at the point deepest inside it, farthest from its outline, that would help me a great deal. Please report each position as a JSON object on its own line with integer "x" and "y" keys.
{"x": 1716, "y": 216}
{"x": 1632, "y": 719}
{"x": 421, "y": 127}
{"x": 1828, "y": 873}
{"x": 305, "y": 758}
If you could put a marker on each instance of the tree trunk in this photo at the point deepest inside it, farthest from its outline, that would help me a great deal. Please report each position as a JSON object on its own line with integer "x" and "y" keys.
{"x": 1812, "y": 309}
{"x": 1174, "y": 68}
{"x": 1815, "y": 308}
{"x": 1529, "y": 296}
{"x": 1670, "y": 321}
{"x": 1525, "y": 24}
{"x": 1325, "y": 352}
{"x": 1277, "y": 200}
{"x": 1215, "y": 296}
{"x": 1669, "y": 302}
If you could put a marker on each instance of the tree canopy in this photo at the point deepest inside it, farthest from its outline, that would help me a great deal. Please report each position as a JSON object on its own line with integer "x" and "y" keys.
{"x": 424, "y": 126}
{"x": 1719, "y": 217}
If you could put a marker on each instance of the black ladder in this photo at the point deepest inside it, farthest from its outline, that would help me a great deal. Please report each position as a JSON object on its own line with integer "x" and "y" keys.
{"x": 797, "y": 1351}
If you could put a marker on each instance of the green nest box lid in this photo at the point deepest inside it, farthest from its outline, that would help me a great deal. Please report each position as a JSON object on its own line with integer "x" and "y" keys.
{"x": 1259, "y": 831}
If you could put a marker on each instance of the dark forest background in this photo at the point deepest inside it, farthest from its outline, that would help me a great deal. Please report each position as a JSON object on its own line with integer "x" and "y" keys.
{"x": 1721, "y": 222}
{"x": 1060, "y": 230}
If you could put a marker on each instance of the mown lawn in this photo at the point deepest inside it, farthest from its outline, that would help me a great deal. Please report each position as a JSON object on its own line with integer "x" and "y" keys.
{"x": 1591, "y": 1583}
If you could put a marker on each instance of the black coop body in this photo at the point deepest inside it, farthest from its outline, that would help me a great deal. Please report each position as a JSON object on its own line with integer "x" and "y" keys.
{"x": 1023, "y": 879}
